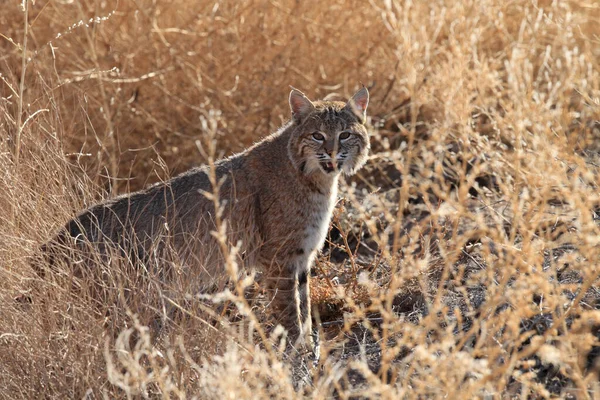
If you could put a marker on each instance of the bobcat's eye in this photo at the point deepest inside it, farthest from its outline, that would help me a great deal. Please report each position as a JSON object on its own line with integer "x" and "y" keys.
{"x": 344, "y": 135}
{"x": 318, "y": 136}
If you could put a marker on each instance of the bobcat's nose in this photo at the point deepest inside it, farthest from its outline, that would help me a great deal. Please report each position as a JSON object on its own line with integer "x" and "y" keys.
{"x": 329, "y": 148}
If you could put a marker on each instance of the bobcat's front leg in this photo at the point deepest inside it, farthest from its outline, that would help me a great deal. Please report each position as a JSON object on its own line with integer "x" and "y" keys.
{"x": 306, "y": 313}
{"x": 302, "y": 264}
{"x": 283, "y": 291}
{"x": 291, "y": 299}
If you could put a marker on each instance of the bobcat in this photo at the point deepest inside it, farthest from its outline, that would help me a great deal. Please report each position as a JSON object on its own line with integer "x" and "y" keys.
{"x": 277, "y": 198}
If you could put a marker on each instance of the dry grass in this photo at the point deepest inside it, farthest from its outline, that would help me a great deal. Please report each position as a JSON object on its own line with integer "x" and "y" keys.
{"x": 463, "y": 262}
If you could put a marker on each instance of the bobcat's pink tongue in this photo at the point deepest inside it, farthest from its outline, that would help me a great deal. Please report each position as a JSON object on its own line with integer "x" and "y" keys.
{"x": 328, "y": 166}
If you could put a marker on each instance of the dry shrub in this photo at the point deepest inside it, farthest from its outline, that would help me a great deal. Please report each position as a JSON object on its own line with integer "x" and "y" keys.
{"x": 462, "y": 263}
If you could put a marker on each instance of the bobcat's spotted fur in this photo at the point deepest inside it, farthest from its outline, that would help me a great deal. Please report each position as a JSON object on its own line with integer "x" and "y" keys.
{"x": 277, "y": 198}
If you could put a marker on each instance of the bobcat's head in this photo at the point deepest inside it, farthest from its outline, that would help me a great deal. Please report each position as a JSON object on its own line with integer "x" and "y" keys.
{"x": 329, "y": 136}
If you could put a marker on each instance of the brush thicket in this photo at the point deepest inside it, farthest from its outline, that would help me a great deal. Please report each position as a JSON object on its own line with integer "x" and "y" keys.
{"x": 462, "y": 261}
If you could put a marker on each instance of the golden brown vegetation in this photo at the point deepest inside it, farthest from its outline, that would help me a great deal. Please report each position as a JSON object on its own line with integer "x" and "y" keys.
{"x": 463, "y": 261}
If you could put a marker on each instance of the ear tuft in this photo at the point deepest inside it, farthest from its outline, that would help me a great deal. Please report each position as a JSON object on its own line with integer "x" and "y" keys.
{"x": 300, "y": 104}
{"x": 358, "y": 103}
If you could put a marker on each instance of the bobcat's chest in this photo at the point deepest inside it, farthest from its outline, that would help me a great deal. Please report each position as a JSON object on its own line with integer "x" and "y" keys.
{"x": 319, "y": 213}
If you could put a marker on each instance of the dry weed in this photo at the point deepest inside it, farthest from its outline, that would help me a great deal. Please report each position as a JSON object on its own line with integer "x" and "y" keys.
{"x": 462, "y": 262}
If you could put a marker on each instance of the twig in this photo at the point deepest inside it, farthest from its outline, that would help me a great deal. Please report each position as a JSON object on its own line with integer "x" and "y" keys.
{"x": 20, "y": 104}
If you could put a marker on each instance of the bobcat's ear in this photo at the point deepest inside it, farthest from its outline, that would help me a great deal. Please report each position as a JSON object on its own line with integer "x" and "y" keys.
{"x": 358, "y": 103}
{"x": 300, "y": 104}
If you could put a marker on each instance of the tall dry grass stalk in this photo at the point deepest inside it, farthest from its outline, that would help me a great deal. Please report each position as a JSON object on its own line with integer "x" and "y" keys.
{"x": 462, "y": 261}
